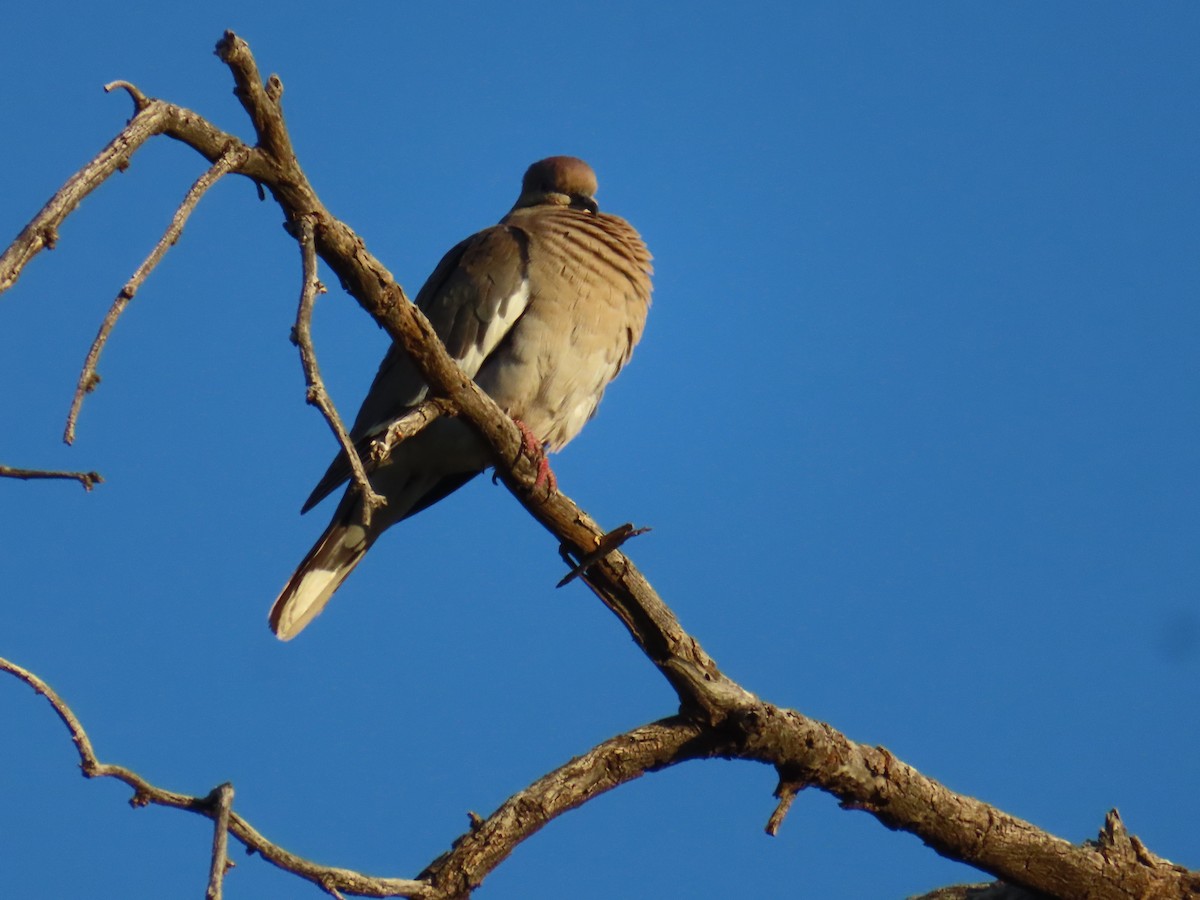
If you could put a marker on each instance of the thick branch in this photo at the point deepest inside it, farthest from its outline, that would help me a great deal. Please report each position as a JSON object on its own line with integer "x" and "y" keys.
{"x": 693, "y": 674}
{"x": 959, "y": 826}
{"x": 718, "y": 716}
{"x": 616, "y": 761}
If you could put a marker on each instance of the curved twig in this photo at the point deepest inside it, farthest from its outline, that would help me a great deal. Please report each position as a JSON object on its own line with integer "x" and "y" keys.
{"x": 145, "y": 794}
{"x": 140, "y": 100}
{"x": 610, "y": 764}
{"x": 614, "y": 762}
{"x": 316, "y": 394}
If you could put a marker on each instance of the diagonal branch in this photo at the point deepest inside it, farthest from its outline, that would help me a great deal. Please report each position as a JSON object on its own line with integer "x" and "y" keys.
{"x": 42, "y": 232}
{"x": 864, "y": 778}
{"x": 718, "y": 716}
{"x": 703, "y": 689}
{"x": 88, "y": 379}
{"x": 152, "y": 117}
{"x": 260, "y": 101}
{"x": 608, "y": 765}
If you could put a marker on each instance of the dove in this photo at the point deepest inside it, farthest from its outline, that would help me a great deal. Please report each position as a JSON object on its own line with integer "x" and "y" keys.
{"x": 542, "y": 310}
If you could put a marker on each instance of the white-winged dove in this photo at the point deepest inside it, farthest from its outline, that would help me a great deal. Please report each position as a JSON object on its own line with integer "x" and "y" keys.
{"x": 542, "y": 310}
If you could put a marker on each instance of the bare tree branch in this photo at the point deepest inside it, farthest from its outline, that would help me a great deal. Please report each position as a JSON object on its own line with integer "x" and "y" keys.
{"x": 489, "y": 841}
{"x": 717, "y": 716}
{"x": 152, "y": 117}
{"x": 681, "y": 659}
{"x": 145, "y": 794}
{"x": 606, "y": 545}
{"x": 88, "y": 379}
{"x": 786, "y": 793}
{"x": 88, "y": 479}
{"x": 994, "y": 891}
{"x": 317, "y": 395}
{"x": 608, "y": 765}
{"x": 140, "y": 100}
{"x": 222, "y": 800}
{"x": 412, "y": 422}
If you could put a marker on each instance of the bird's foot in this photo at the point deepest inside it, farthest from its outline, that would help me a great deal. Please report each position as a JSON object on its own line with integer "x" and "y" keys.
{"x": 536, "y": 452}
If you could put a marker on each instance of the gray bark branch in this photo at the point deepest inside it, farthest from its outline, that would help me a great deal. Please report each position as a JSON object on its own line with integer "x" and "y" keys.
{"x": 716, "y": 717}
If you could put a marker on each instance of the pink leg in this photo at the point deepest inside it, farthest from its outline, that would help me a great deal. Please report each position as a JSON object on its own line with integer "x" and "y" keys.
{"x": 533, "y": 449}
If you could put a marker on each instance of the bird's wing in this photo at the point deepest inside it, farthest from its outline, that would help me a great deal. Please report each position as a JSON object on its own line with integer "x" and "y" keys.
{"x": 472, "y": 299}
{"x": 590, "y": 277}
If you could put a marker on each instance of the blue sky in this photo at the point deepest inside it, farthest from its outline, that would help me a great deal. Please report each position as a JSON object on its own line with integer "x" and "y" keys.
{"x": 915, "y": 422}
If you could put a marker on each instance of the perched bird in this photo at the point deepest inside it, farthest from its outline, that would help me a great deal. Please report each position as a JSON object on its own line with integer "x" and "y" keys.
{"x": 542, "y": 310}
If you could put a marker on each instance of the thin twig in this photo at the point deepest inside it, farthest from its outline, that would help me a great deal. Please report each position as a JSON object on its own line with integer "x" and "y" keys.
{"x": 222, "y": 801}
{"x": 42, "y": 231}
{"x": 316, "y": 394}
{"x": 88, "y": 479}
{"x": 411, "y": 423}
{"x": 146, "y": 794}
{"x": 88, "y": 379}
{"x": 153, "y": 117}
{"x": 786, "y": 794}
{"x": 87, "y": 756}
{"x": 606, "y": 545}
{"x": 140, "y": 100}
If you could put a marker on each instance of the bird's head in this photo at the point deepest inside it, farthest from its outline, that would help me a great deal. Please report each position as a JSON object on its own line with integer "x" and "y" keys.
{"x": 559, "y": 181}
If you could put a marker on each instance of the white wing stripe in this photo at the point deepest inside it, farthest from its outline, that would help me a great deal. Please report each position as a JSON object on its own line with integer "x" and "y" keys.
{"x": 497, "y": 327}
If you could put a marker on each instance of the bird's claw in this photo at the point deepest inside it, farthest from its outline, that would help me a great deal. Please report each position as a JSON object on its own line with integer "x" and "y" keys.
{"x": 536, "y": 453}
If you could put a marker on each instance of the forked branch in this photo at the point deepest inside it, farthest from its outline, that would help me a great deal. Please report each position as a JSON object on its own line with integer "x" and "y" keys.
{"x": 717, "y": 716}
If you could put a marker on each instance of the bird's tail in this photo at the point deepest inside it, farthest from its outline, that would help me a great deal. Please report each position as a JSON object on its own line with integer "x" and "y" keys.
{"x": 345, "y": 541}
{"x": 323, "y": 570}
